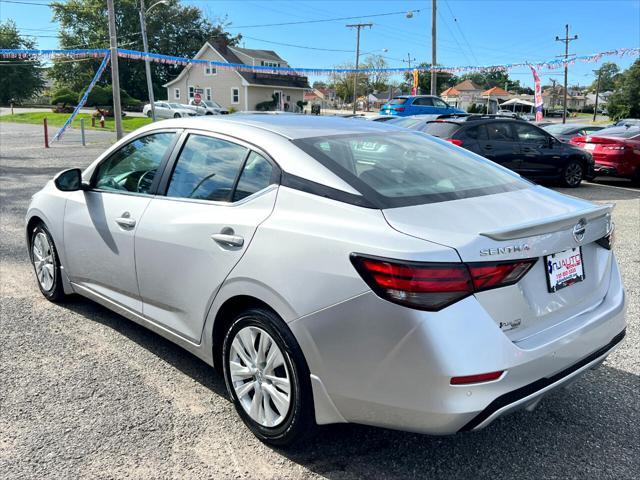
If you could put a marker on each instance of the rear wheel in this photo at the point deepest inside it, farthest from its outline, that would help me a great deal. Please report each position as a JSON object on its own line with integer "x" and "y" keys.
{"x": 177, "y": 115}
{"x": 149, "y": 114}
{"x": 46, "y": 264}
{"x": 572, "y": 174}
{"x": 267, "y": 378}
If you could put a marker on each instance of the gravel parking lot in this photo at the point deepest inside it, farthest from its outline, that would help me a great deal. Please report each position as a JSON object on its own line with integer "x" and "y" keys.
{"x": 84, "y": 393}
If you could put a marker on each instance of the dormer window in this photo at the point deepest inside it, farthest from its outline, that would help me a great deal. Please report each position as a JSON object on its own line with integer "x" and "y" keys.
{"x": 209, "y": 70}
{"x": 266, "y": 63}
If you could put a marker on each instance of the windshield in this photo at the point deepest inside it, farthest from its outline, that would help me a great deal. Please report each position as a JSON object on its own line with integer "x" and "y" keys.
{"x": 560, "y": 128}
{"x": 401, "y": 169}
{"x": 211, "y": 104}
{"x": 177, "y": 105}
{"x": 397, "y": 101}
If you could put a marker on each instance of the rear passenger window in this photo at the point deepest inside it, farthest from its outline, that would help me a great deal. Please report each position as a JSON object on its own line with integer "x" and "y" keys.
{"x": 423, "y": 101}
{"x": 256, "y": 175}
{"x": 500, "y": 132}
{"x": 206, "y": 169}
{"x": 474, "y": 133}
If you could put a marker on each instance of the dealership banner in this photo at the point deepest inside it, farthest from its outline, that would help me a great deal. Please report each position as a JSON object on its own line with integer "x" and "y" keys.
{"x": 173, "y": 60}
{"x": 537, "y": 89}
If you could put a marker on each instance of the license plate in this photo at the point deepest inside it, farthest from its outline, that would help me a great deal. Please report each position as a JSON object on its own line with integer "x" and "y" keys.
{"x": 589, "y": 146}
{"x": 564, "y": 269}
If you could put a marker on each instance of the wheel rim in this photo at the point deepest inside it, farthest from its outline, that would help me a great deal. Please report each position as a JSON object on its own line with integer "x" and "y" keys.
{"x": 260, "y": 376}
{"x": 573, "y": 175}
{"x": 43, "y": 261}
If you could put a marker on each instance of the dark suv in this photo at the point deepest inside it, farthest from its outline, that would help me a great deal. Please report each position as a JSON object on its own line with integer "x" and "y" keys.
{"x": 517, "y": 145}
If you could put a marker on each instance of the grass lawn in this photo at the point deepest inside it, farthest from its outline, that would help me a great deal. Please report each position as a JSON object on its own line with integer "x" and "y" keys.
{"x": 57, "y": 120}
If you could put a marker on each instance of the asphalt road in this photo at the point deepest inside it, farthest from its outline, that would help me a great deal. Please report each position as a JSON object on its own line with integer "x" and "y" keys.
{"x": 84, "y": 393}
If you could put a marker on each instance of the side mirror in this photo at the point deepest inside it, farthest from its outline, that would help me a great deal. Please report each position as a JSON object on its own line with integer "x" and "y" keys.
{"x": 69, "y": 180}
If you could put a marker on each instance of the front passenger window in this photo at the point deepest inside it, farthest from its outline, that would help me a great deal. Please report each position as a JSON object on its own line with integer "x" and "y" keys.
{"x": 134, "y": 166}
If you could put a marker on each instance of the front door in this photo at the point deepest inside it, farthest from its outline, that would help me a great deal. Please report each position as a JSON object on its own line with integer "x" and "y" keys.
{"x": 539, "y": 157}
{"x": 501, "y": 145}
{"x": 100, "y": 223}
{"x": 422, "y": 106}
{"x": 191, "y": 238}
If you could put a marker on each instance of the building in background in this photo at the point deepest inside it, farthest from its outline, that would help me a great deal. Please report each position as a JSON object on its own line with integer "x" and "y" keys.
{"x": 233, "y": 89}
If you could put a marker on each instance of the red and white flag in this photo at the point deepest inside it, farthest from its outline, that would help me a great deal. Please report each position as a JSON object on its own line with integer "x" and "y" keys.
{"x": 538, "y": 94}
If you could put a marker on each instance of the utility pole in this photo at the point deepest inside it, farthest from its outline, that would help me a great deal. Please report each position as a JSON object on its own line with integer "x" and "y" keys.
{"x": 566, "y": 41}
{"x": 433, "y": 48}
{"x": 357, "y": 26}
{"x": 409, "y": 60}
{"x": 115, "y": 80}
{"x": 147, "y": 65}
{"x": 595, "y": 106}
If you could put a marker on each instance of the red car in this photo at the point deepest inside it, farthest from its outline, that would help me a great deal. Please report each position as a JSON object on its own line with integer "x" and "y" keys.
{"x": 616, "y": 151}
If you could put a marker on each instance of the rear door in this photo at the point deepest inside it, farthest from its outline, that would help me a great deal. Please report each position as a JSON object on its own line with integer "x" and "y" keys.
{"x": 540, "y": 157}
{"x": 217, "y": 193}
{"x": 501, "y": 145}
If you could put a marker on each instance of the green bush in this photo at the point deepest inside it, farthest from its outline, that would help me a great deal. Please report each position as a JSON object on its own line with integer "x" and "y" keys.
{"x": 103, "y": 96}
{"x": 64, "y": 96}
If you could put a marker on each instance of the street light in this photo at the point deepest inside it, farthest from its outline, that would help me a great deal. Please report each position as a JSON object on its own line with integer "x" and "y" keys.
{"x": 147, "y": 66}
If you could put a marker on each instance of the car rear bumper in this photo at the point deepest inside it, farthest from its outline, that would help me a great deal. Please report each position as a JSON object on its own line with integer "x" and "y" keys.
{"x": 381, "y": 364}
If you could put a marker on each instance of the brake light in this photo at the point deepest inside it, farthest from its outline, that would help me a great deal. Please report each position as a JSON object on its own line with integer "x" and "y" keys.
{"x": 398, "y": 109}
{"x": 433, "y": 286}
{"x": 609, "y": 239}
{"x": 455, "y": 141}
{"x": 482, "y": 377}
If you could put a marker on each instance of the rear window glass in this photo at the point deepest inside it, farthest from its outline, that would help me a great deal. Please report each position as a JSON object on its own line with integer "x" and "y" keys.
{"x": 560, "y": 128}
{"x": 401, "y": 169}
{"x": 622, "y": 132}
{"x": 406, "y": 122}
{"x": 397, "y": 101}
{"x": 441, "y": 129}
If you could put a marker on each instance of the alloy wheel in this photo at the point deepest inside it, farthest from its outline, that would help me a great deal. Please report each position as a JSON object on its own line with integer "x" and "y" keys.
{"x": 260, "y": 377}
{"x": 43, "y": 261}
{"x": 573, "y": 174}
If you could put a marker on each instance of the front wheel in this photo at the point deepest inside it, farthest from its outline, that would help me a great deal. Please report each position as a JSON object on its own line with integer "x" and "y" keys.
{"x": 177, "y": 115}
{"x": 149, "y": 114}
{"x": 268, "y": 378}
{"x": 572, "y": 174}
{"x": 46, "y": 264}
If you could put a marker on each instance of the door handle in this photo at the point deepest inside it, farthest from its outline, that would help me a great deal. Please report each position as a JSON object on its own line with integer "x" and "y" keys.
{"x": 227, "y": 237}
{"x": 125, "y": 221}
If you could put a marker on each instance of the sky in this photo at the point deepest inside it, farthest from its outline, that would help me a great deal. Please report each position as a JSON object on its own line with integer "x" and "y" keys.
{"x": 470, "y": 32}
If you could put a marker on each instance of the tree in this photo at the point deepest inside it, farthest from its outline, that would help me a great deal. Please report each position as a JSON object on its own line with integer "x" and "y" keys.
{"x": 22, "y": 78}
{"x": 64, "y": 96}
{"x": 319, "y": 84}
{"x": 172, "y": 29}
{"x": 376, "y": 81}
{"x": 343, "y": 83}
{"x": 608, "y": 72}
{"x": 443, "y": 80}
{"x": 625, "y": 99}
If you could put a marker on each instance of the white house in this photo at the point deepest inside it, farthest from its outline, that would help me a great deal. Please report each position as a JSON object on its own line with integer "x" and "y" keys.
{"x": 241, "y": 91}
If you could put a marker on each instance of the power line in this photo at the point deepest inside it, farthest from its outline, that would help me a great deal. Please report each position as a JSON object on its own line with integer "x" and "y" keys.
{"x": 464, "y": 37}
{"x": 297, "y": 46}
{"x": 302, "y": 22}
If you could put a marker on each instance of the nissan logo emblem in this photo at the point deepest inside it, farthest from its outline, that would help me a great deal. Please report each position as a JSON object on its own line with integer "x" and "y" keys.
{"x": 579, "y": 230}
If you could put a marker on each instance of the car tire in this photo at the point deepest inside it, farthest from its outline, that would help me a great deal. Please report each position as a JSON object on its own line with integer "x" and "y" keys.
{"x": 46, "y": 263}
{"x": 208, "y": 113}
{"x": 572, "y": 174}
{"x": 177, "y": 115}
{"x": 149, "y": 114}
{"x": 278, "y": 417}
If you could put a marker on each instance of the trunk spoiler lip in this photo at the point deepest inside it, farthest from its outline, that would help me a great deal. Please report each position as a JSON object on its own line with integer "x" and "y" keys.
{"x": 550, "y": 224}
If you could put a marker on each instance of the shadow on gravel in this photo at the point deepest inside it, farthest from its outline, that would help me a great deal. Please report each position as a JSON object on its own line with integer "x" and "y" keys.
{"x": 589, "y": 427}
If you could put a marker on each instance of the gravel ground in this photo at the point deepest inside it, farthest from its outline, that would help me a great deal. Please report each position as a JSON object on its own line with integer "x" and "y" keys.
{"x": 86, "y": 393}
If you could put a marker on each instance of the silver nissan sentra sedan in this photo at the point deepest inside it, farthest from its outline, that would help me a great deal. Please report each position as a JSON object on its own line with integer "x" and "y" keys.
{"x": 337, "y": 271}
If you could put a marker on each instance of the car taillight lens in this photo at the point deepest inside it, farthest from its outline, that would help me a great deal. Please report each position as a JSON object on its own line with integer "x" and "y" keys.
{"x": 479, "y": 378}
{"x": 399, "y": 109}
{"x": 455, "y": 141}
{"x": 609, "y": 239}
{"x": 433, "y": 286}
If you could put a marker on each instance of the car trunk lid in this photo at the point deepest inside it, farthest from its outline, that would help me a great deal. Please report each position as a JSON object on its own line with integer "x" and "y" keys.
{"x": 529, "y": 223}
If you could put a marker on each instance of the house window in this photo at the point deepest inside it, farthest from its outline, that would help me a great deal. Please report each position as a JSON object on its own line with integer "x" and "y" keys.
{"x": 176, "y": 93}
{"x": 235, "y": 95}
{"x": 207, "y": 93}
{"x": 269, "y": 64}
{"x": 192, "y": 91}
{"x": 209, "y": 70}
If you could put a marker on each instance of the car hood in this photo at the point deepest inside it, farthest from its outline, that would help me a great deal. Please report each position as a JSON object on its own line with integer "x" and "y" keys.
{"x": 536, "y": 218}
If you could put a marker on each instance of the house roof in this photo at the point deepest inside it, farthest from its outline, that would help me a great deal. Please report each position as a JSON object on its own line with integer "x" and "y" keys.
{"x": 450, "y": 92}
{"x": 466, "y": 85}
{"x": 261, "y": 54}
{"x": 252, "y": 78}
{"x": 495, "y": 91}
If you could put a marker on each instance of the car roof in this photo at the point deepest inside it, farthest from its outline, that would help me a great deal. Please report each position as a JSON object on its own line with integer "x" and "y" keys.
{"x": 289, "y": 125}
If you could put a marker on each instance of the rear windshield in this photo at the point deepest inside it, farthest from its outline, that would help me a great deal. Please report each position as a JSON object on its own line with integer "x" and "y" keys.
{"x": 441, "y": 129}
{"x": 560, "y": 128}
{"x": 397, "y": 101}
{"x": 402, "y": 169}
{"x": 622, "y": 132}
{"x": 406, "y": 122}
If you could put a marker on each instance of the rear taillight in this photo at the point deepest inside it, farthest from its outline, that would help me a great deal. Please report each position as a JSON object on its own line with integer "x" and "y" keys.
{"x": 609, "y": 239}
{"x": 455, "y": 141}
{"x": 398, "y": 109}
{"x": 433, "y": 286}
